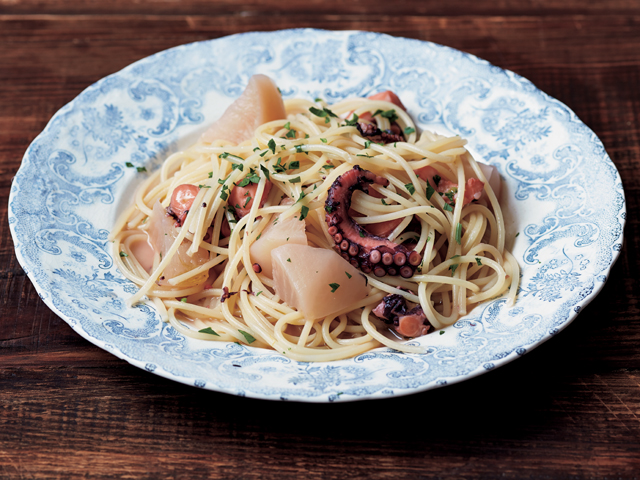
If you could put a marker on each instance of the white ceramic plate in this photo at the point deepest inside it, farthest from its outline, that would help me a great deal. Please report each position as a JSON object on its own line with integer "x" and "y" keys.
{"x": 563, "y": 198}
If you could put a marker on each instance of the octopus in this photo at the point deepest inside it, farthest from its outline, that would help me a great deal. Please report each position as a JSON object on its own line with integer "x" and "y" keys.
{"x": 363, "y": 250}
{"x": 373, "y": 133}
{"x": 409, "y": 323}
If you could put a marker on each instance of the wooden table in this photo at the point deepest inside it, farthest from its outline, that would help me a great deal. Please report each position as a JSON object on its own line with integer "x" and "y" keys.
{"x": 569, "y": 409}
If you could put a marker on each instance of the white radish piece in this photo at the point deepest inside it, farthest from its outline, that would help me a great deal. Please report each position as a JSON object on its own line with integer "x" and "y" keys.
{"x": 288, "y": 231}
{"x": 260, "y": 103}
{"x": 316, "y": 281}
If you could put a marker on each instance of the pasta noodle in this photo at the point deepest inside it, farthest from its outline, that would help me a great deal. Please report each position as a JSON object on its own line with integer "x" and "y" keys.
{"x": 224, "y": 297}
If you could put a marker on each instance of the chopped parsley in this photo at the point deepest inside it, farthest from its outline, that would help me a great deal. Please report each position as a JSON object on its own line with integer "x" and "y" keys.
{"x": 208, "y": 330}
{"x": 390, "y": 114}
{"x": 362, "y": 234}
{"x": 478, "y": 262}
{"x": 298, "y": 148}
{"x": 353, "y": 122}
{"x": 409, "y": 130}
{"x": 334, "y": 287}
{"x": 441, "y": 332}
{"x": 450, "y": 194}
{"x": 264, "y": 153}
{"x": 347, "y": 274}
{"x": 447, "y": 207}
{"x": 251, "y": 178}
{"x": 129, "y": 164}
{"x": 459, "y": 233}
{"x": 367, "y": 143}
{"x": 123, "y": 254}
{"x": 324, "y": 113}
{"x": 517, "y": 234}
{"x": 265, "y": 170}
{"x": 318, "y": 99}
{"x": 204, "y": 186}
{"x": 363, "y": 155}
{"x": 295, "y": 180}
{"x": 289, "y": 260}
{"x": 279, "y": 168}
{"x": 248, "y": 337}
{"x": 293, "y": 165}
{"x": 411, "y": 188}
{"x": 454, "y": 266}
{"x": 257, "y": 148}
{"x": 329, "y": 166}
{"x": 237, "y": 166}
{"x": 247, "y": 202}
{"x": 291, "y": 134}
{"x": 141, "y": 169}
{"x": 383, "y": 202}
{"x": 258, "y": 294}
{"x": 210, "y": 174}
{"x": 430, "y": 191}
{"x": 304, "y": 211}
{"x": 302, "y": 195}
{"x": 287, "y": 125}
{"x": 227, "y": 154}
{"x": 272, "y": 145}
{"x": 323, "y": 140}
{"x": 436, "y": 179}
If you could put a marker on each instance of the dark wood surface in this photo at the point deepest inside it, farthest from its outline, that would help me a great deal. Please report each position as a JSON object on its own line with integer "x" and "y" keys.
{"x": 569, "y": 409}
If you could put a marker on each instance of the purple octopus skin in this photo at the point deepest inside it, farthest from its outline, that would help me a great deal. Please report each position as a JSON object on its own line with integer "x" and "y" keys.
{"x": 373, "y": 133}
{"x": 363, "y": 250}
{"x": 409, "y": 323}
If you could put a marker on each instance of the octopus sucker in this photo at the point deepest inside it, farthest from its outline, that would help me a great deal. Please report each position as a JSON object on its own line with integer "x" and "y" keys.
{"x": 370, "y": 252}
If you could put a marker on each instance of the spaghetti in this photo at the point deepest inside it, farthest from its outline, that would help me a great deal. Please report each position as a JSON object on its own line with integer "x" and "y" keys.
{"x": 217, "y": 292}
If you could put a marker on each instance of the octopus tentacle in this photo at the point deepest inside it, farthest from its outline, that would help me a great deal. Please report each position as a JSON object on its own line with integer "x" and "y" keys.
{"x": 410, "y": 323}
{"x": 368, "y": 252}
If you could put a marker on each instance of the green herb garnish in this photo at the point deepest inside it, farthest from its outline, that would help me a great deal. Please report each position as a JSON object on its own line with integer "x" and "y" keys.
{"x": 411, "y": 188}
{"x": 247, "y": 336}
{"x": 265, "y": 170}
{"x": 304, "y": 211}
{"x": 430, "y": 191}
{"x": 209, "y": 330}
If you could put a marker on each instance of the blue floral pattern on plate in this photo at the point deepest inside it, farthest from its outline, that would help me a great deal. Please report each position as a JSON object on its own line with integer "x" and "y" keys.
{"x": 563, "y": 202}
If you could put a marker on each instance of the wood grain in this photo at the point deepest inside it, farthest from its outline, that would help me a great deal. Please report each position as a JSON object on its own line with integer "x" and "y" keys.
{"x": 569, "y": 409}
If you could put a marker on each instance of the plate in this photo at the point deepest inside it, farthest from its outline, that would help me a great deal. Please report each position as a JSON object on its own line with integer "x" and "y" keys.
{"x": 563, "y": 200}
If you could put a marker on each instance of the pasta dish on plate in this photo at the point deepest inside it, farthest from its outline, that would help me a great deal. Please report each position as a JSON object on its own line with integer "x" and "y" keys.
{"x": 320, "y": 231}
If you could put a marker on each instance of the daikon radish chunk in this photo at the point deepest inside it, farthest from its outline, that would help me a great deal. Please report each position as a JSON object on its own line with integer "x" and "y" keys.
{"x": 289, "y": 231}
{"x": 260, "y": 103}
{"x": 162, "y": 232}
{"x": 316, "y": 281}
{"x": 493, "y": 177}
